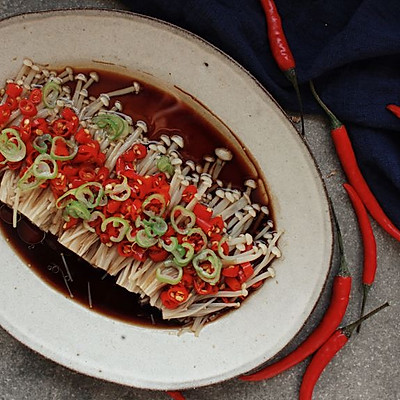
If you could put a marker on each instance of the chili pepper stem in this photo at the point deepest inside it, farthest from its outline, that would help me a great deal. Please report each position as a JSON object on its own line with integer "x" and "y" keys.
{"x": 349, "y": 329}
{"x": 292, "y": 77}
{"x": 334, "y": 120}
{"x": 366, "y": 289}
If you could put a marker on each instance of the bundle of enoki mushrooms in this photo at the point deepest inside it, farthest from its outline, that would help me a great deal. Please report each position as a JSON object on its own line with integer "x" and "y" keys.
{"x": 167, "y": 228}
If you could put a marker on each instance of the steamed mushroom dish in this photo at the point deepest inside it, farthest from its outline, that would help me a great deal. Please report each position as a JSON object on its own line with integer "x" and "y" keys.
{"x": 132, "y": 193}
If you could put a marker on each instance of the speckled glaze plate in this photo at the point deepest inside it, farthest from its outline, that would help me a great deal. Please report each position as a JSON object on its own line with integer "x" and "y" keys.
{"x": 95, "y": 345}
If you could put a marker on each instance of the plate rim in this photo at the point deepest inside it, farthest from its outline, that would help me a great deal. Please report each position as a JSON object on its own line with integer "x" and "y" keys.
{"x": 221, "y": 53}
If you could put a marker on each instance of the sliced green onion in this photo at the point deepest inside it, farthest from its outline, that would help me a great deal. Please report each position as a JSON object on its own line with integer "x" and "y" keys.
{"x": 85, "y": 194}
{"x": 163, "y": 273}
{"x": 44, "y": 167}
{"x": 39, "y": 143}
{"x": 208, "y": 255}
{"x": 71, "y": 145}
{"x": 121, "y": 191}
{"x": 29, "y": 181}
{"x": 93, "y": 216}
{"x": 62, "y": 201}
{"x": 148, "y": 228}
{"x": 116, "y": 222}
{"x": 159, "y": 225}
{"x": 11, "y": 145}
{"x": 170, "y": 247}
{"x": 184, "y": 214}
{"x": 143, "y": 240}
{"x": 114, "y": 126}
{"x": 155, "y": 196}
{"x": 139, "y": 222}
{"x": 164, "y": 165}
{"x": 180, "y": 250}
{"x": 184, "y": 259}
{"x": 199, "y": 231}
{"x": 51, "y": 91}
{"x": 129, "y": 235}
{"x": 76, "y": 209}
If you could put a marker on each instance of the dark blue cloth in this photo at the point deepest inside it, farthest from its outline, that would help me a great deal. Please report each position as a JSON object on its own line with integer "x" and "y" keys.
{"x": 350, "y": 48}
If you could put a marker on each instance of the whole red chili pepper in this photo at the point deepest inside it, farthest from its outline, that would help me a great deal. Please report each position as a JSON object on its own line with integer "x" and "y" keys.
{"x": 348, "y": 160}
{"x": 369, "y": 243}
{"x": 175, "y": 395}
{"x": 325, "y": 354}
{"x": 394, "y": 109}
{"x": 281, "y": 50}
{"x": 331, "y": 320}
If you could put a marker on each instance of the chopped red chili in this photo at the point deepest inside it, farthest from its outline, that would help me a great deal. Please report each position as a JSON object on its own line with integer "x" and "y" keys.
{"x": 140, "y": 150}
{"x": 188, "y": 194}
{"x": 27, "y": 108}
{"x": 5, "y": 113}
{"x": 13, "y": 90}
{"x": 201, "y": 211}
{"x": 36, "y": 96}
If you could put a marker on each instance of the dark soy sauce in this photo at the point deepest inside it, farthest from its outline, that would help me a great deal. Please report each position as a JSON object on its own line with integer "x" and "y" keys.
{"x": 164, "y": 114}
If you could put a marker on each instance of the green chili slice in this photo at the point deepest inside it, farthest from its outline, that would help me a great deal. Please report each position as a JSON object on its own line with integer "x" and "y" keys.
{"x": 39, "y": 143}
{"x": 156, "y": 198}
{"x": 44, "y": 167}
{"x": 159, "y": 226}
{"x": 198, "y": 231}
{"x": 163, "y": 273}
{"x": 183, "y": 216}
{"x": 211, "y": 259}
{"x": 93, "y": 216}
{"x": 87, "y": 196}
{"x": 11, "y": 145}
{"x": 129, "y": 235}
{"x": 63, "y": 200}
{"x": 29, "y": 181}
{"x": 172, "y": 246}
{"x": 116, "y": 222}
{"x": 183, "y": 259}
{"x": 143, "y": 240}
{"x": 121, "y": 191}
{"x": 76, "y": 209}
{"x": 51, "y": 91}
{"x": 114, "y": 126}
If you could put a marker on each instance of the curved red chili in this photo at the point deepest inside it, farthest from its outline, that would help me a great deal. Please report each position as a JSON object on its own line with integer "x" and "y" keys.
{"x": 395, "y": 109}
{"x": 331, "y": 320}
{"x": 280, "y": 49}
{"x": 325, "y": 354}
{"x": 319, "y": 362}
{"x": 345, "y": 152}
{"x": 369, "y": 243}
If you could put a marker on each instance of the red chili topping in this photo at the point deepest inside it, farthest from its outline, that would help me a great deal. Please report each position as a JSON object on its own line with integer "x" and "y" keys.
{"x": 27, "y": 108}
{"x": 5, "y": 113}
{"x": 36, "y": 96}
{"x": 13, "y": 90}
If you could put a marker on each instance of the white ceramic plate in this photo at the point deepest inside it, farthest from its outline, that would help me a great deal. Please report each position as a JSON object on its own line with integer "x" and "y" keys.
{"x": 93, "y": 344}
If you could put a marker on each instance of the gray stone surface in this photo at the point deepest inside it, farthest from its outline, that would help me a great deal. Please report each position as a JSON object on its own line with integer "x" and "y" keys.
{"x": 367, "y": 368}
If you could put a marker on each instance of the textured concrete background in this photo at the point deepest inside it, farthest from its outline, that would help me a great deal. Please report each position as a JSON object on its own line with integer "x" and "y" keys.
{"x": 367, "y": 368}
